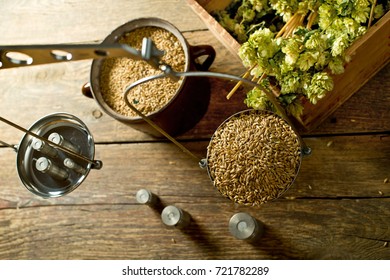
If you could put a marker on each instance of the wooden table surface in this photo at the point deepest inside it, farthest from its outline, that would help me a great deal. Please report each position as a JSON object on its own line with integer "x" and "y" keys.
{"x": 338, "y": 208}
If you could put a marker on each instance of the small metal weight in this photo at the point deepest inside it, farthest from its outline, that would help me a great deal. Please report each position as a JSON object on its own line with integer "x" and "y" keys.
{"x": 45, "y": 165}
{"x": 54, "y": 168}
{"x": 245, "y": 227}
{"x": 144, "y": 196}
{"x": 173, "y": 216}
{"x": 59, "y": 139}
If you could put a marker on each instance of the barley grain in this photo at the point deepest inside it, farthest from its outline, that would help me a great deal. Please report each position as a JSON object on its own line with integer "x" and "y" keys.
{"x": 253, "y": 157}
{"x": 118, "y": 73}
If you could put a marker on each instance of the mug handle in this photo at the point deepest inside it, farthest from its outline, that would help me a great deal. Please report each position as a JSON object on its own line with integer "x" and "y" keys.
{"x": 86, "y": 90}
{"x": 202, "y": 50}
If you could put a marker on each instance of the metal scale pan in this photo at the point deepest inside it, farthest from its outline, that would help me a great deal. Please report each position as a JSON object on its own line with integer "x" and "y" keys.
{"x": 54, "y": 172}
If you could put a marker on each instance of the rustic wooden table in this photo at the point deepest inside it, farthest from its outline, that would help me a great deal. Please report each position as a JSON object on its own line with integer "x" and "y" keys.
{"x": 338, "y": 208}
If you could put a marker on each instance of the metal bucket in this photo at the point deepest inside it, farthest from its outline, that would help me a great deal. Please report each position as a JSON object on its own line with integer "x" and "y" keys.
{"x": 249, "y": 162}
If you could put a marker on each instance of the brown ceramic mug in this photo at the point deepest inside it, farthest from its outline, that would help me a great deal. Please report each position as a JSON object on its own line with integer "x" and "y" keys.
{"x": 186, "y": 107}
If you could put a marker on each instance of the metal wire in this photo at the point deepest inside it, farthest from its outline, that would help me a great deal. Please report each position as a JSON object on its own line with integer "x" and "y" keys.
{"x": 9, "y": 145}
{"x": 168, "y": 72}
{"x": 64, "y": 149}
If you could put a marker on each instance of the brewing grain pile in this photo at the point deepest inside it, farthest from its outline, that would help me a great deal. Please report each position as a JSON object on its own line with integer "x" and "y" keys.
{"x": 253, "y": 157}
{"x": 118, "y": 73}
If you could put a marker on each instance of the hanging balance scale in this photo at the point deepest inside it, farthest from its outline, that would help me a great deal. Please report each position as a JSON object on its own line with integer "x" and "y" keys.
{"x": 56, "y": 153}
{"x": 49, "y": 168}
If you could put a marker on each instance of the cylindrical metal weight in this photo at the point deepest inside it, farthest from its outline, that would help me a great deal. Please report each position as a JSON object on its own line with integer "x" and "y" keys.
{"x": 74, "y": 166}
{"x": 175, "y": 217}
{"x": 145, "y": 196}
{"x": 59, "y": 139}
{"x": 44, "y": 148}
{"x": 45, "y": 165}
{"x": 245, "y": 227}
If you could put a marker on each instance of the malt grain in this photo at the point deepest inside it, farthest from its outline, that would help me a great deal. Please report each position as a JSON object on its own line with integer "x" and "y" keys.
{"x": 253, "y": 157}
{"x": 118, "y": 73}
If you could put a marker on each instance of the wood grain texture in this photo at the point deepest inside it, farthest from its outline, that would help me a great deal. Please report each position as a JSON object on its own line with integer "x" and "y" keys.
{"x": 339, "y": 167}
{"x": 79, "y": 21}
{"x": 128, "y": 231}
{"x": 340, "y": 198}
{"x": 338, "y": 207}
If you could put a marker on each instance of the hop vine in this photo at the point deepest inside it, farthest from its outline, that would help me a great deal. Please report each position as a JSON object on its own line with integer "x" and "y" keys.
{"x": 296, "y": 45}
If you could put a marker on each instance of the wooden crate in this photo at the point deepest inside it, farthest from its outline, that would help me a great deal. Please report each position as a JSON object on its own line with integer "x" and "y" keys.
{"x": 368, "y": 54}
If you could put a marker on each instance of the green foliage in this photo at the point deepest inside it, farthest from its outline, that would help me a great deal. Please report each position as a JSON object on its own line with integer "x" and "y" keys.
{"x": 300, "y": 63}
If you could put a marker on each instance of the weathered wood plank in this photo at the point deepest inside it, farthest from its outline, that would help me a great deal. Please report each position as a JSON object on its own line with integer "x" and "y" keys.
{"x": 356, "y": 166}
{"x": 79, "y": 21}
{"x": 339, "y": 167}
{"x": 333, "y": 230}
